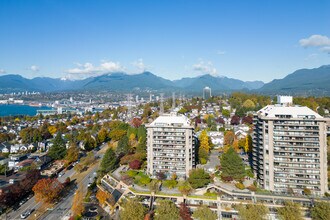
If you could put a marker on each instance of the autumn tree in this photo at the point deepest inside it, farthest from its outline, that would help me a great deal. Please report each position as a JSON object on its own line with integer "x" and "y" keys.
{"x": 248, "y": 144}
{"x": 136, "y": 122}
{"x": 47, "y": 190}
{"x": 135, "y": 164}
{"x": 235, "y": 120}
{"x": 252, "y": 211}
{"x": 72, "y": 154}
{"x": 229, "y": 138}
{"x": 249, "y": 104}
{"x": 321, "y": 211}
{"x": 102, "y": 196}
{"x": 232, "y": 167}
{"x": 290, "y": 211}
{"x": 77, "y": 205}
{"x": 102, "y": 135}
{"x": 204, "y": 213}
{"x": 204, "y": 141}
{"x": 132, "y": 209}
{"x": 184, "y": 212}
{"x": 166, "y": 209}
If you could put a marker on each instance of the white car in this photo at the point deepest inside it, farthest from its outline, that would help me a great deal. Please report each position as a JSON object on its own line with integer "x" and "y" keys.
{"x": 26, "y": 214}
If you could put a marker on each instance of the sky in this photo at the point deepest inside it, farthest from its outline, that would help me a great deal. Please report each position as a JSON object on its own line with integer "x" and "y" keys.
{"x": 247, "y": 40}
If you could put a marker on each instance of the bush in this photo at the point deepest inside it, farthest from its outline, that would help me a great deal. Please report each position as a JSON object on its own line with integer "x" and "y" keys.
{"x": 240, "y": 186}
{"x": 203, "y": 161}
{"x": 252, "y": 188}
{"x": 210, "y": 194}
{"x": 131, "y": 173}
{"x": 170, "y": 184}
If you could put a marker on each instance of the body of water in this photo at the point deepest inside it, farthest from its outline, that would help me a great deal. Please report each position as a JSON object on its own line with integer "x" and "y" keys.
{"x": 12, "y": 110}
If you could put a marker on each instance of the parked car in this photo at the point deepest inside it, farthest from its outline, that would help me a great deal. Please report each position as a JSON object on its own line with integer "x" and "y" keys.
{"x": 26, "y": 214}
{"x": 61, "y": 174}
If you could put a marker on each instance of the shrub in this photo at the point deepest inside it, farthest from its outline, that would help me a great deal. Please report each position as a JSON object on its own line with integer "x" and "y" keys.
{"x": 203, "y": 161}
{"x": 210, "y": 194}
{"x": 132, "y": 173}
{"x": 170, "y": 184}
{"x": 252, "y": 188}
{"x": 240, "y": 186}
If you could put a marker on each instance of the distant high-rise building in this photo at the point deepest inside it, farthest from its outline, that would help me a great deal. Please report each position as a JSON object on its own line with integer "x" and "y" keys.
{"x": 207, "y": 92}
{"x": 290, "y": 148}
{"x": 170, "y": 146}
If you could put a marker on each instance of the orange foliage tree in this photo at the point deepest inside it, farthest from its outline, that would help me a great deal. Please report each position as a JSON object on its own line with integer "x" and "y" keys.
{"x": 47, "y": 190}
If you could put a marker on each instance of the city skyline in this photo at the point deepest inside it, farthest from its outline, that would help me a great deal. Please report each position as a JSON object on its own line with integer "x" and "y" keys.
{"x": 247, "y": 41}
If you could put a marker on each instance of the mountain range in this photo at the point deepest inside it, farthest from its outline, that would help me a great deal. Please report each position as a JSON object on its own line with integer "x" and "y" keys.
{"x": 304, "y": 81}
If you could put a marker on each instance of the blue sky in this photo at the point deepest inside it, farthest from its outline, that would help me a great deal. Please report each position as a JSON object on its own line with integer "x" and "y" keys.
{"x": 248, "y": 40}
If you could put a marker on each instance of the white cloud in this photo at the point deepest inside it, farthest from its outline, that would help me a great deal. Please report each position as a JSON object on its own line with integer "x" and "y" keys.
{"x": 325, "y": 49}
{"x": 88, "y": 69}
{"x": 318, "y": 41}
{"x": 220, "y": 52}
{"x": 315, "y": 41}
{"x": 34, "y": 68}
{"x": 139, "y": 65}
{"x": 205, "y": 67}
{"x": 2, "y": 71}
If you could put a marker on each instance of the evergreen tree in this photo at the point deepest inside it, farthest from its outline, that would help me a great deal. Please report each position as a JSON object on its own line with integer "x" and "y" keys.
{"x": 198, "y": 178}
{"x": 58, "y": 150}
{"x": 123, "y": 146}
{"x": 109, "y": 161}
{"x": 232, "y": 166}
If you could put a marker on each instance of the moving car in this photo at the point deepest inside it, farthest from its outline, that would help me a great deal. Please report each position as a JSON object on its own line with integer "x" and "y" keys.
{"x": 26, "y": 214}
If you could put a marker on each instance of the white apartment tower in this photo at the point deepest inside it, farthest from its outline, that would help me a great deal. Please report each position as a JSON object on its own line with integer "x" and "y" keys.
{"x": 290, "y": 149}
{"x": 170, "y": 146}
{"x": 207, "y": 92}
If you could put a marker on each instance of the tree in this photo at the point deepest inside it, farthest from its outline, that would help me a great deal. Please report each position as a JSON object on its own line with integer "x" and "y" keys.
{"x": 123, "y": 146}
{"x": 170, "y": 184}
{"x": 249, "y": 104}
{"x": 248, "y": 144}
{"x": 229, "y": 138}
{"x": 109, "y": 161}
{"x": 321, "y": 211}
{"x": 252, "y": 211}
{"x": 103, "y": 196}
{"x": 232, "y": 166}
{"x": 153, "y": 186}
{"x": 198, "y": 178}
{"x": 204, "y": 141}
{"x": 58, "y": 150}
{"x": 136, "y": 122}
{"x": 185, "y": 188}
{"x": 47, "y": 190}
{"x": 235, "y": 120}
{"x": 225, "y": 113}
{"x": 132, "y": 210}
{"x": 72, "y": 154}
{"x": 77, "y": 205}
{"x": 247, "y": 120}
{"x": 290, "y": 211}
{"x": 166, "y": 209}
{"x": 184, "y": 212}
{"x": 135, "y": 164}
{"x": 102, "y": 135}
{"x": 204, "y": 213}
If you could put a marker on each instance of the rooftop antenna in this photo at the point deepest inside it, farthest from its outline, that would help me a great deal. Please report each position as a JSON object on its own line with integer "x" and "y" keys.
{"x": 173, "y": 100}
{"x": 161, "y": 103}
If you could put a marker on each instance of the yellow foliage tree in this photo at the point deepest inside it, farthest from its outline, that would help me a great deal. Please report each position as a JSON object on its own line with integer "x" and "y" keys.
{"x": 235, "y": 145}
{"x": 204, "y": 141}
{"x": 248, "y": 144}
{"x": 102, "y": 196}
{"x": 77, "y": 205}
{"x": 52, "y": 130}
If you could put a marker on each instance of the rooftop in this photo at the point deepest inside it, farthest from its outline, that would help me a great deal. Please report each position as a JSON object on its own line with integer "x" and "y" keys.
{"x": 171, "y": 120}
{"x": 272, "y": 111}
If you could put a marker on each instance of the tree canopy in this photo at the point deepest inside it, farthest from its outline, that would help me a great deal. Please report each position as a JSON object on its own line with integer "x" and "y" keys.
{"x": 232, "y": 167}
{"x": 290, "y": 211}
{"x": 204, "y": 213}
{"x": 132, "y": 210}
{"x": 252, "y": 211}
{"x": 198, "y": 178}
{"x": 321, "y": 211}
{"x": 166, "y": 209}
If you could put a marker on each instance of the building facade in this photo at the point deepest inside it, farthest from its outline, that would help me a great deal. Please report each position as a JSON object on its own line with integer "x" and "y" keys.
{"x": 290, "y": 149}
{"x": 170, "y": 146}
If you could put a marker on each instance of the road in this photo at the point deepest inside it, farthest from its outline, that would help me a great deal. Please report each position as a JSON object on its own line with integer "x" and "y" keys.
{"x": 63, "y": 207}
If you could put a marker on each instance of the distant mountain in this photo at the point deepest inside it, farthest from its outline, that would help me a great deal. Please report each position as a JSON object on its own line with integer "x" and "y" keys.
{"x": 122, "y": 81}
{"x": 216, "y": 83}
{"x": 301, "y": 82}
